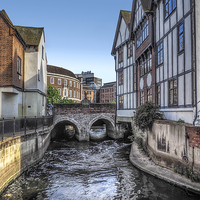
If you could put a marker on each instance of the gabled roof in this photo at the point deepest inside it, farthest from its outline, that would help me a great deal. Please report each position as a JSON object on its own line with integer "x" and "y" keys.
{"x": 147, "y": 6}
{"x": 60, "y": 70}
{"x": 5, "y": 16}
{"x": 127, "y": 18}
{"x": 31, "y": 35}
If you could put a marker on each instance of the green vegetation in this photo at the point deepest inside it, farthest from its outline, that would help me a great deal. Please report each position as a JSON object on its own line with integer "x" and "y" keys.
{"x": 146, "y": 114}
{"x": 53, "y": 96}
{"x": 113, "y": 102}
{"x": 181, "y": 120}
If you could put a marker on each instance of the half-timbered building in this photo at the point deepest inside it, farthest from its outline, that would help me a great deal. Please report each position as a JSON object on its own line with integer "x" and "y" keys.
{"x": 165, "y": 34}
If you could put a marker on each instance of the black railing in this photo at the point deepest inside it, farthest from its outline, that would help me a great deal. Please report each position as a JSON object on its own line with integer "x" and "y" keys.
{"x": 12, "y": 127}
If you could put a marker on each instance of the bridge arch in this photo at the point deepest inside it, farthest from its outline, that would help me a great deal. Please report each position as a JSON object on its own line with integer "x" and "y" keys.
{"x": 108, "y": 120}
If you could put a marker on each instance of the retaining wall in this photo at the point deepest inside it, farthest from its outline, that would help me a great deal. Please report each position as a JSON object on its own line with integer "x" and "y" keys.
{"x": 16, "y": 154}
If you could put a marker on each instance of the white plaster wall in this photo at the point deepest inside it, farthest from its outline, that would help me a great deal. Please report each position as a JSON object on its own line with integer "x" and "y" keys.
{"x": 188, "y": 89}
{"x": 180, "y": 9}
{"x": 170, "y": 54}
{"x": 161, "y": 19}
{"x": 173, "y": 19}
{"x": 175, "y": 113}
{"x": 31, "y": 62}
{"x": 187, "y": 5}
{"x": 181, "y": 63}
{"x": 125, "y": 113}
{"x": 181, "y": 90}
{"x": 157, "y": 23}
{"x": 42, "y": 66}
{"x": 165, "y": 50}
{"x": 122, "y": 36}
{"x": 197, "y": 25}
{"x": 174, "y": 52}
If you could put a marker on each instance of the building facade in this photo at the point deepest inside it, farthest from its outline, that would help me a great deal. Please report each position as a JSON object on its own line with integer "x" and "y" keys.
{"x": 16, "y": 98}
{"x": 108, "y": 92}
{"x": 65, "y": 82}
{"x": 89, "y": 93}
{"x": 166, "y": 65}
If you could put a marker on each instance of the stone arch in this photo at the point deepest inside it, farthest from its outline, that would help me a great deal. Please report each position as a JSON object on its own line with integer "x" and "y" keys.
{"x": 109, "y": 121}
{"x": 70, "y": 120}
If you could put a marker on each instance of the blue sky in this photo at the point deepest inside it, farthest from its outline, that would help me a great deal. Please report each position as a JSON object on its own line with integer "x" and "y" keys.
{"x": 78, "y": 34}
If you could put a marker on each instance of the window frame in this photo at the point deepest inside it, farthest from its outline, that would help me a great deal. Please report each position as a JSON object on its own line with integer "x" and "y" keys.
{"x": 181, "y": 34}
{"x": 141, "y": 97}
{"x": 120, "y": 54}
{"x": 169, "y": 7}
{"x": 52, "y": 78}
{"x": 121, "y": 77}
{"x": 158, "y": 95}
{"x": 59, "y": 81}
{"x": 150, "y": 94}
{"x": 19, "y": 63}
{"x": 160, "y": 54}
{"x": 173, "y": 92}
{"x": 121, "y": 102}
{"x": 130, "y": 49}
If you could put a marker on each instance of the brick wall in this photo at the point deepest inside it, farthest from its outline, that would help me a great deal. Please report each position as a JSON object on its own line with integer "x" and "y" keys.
{"x": 63, "y": 109}
{"x": 194, "y": 136}
{"x": 10, "y": 49}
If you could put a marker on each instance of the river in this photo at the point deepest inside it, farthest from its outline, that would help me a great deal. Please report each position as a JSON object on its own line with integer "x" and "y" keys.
{"x": 90, "y": 171}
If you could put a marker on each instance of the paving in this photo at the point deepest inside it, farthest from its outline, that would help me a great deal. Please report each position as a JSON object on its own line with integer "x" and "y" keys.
{"x": 141, "y": 161}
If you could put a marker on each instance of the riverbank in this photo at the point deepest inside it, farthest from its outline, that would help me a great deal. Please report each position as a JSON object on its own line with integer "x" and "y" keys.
{"x": 140, "y": 160}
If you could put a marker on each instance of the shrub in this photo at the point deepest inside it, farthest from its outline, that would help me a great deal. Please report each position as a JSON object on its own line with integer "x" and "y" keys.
{"x": 146, "y": 114}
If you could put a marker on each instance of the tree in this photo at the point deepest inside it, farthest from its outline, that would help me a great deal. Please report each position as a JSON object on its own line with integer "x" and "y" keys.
{"x": 53, "y": 96}
{"x": 146, "y": 114}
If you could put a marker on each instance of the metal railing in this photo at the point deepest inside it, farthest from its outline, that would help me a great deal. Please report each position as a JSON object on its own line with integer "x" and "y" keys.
{"x": 11, "y": 127}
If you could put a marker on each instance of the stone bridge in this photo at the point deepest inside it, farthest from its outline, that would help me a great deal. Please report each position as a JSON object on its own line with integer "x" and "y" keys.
{"x": 82, "y": 116}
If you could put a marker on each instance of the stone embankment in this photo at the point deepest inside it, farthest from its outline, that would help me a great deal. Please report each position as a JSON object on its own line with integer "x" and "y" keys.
{"x": 18, "y": 153}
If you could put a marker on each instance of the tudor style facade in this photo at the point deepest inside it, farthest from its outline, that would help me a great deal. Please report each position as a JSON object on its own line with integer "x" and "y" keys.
{"x": 166, "y": 66}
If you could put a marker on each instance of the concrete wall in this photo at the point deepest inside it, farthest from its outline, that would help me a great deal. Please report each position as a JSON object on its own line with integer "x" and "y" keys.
{"x": 173, "y": 144}
{"x": 16, "y": 154}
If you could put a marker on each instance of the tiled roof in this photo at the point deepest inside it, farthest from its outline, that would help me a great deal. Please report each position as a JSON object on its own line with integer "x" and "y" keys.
{"x": 30, "y": 35}
{"x": 59, "y": 70}
{"x": 127, "y": 17}
{"x": 145, "y": 4}
{"x": 87, "y": 87}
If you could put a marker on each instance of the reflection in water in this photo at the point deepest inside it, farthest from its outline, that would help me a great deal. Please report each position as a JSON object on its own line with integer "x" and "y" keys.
{"x": 90, "y": 171}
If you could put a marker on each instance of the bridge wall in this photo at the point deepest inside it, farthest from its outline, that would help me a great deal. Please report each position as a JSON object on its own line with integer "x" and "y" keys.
{"x": 83, "y": 116}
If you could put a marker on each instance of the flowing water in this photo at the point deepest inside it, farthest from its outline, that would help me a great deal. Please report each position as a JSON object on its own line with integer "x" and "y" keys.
{"x": 90, "y": 171}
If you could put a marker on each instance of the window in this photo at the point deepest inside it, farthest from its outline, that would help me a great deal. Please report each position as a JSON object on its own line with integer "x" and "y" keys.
{"x": 52, "y": 80}
{"x": 70, "y": 93}
{"x": 121, "y": 81}
{"x": 59, "y": 81}
{"x": 134, "y": 78}
{"x": 19, "y": 65}
{"x": 38, "y": 75}
{"x": 70, "y": 83}
{"x": 141, "y": 67}
{"x": 141, "y": 97}
{"x": 59, "y": 90}
{"x": 65, "y": 82}
{"x": 158, "y": 95}
{"x": 65, "y": 92}
{"x": 160, "y": 53}
{"x": 120, "y": 54}
{"x": 149, "y": 94}
{"x": 74, "y": 93}
{"x": 173, "y": 96}
{"x": 142, "y": 33}
{"x": 74, "y": 84}
{"x": 149, "y": 62}
{"x": 170, "y": 6}
{"x": 121, "y": 102}
{"x": 180, "y": 38}
{"x": 130, "y": 49}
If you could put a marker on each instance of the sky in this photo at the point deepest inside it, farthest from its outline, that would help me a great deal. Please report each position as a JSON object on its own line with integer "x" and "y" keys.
{"x": 78, "y": 34}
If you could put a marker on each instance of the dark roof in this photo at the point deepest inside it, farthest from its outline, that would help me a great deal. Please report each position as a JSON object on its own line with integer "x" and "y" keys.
{"x": 60, "y": 70}
{"x": 146, "y": 4}
{"x": 87, "y": 87}
{"x": 31, "y": 35}
{"x": 5, "y": 16}
{"x": 127, "y": 17}
{"x": 110, "y": 84}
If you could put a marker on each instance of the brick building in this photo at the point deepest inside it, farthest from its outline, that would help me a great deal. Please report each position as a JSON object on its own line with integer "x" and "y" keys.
{"x": 14, "y": 63}
{"x": 108, "y": 92}
{"x": 65, "y": 82}
{"x": 90, "y": 93}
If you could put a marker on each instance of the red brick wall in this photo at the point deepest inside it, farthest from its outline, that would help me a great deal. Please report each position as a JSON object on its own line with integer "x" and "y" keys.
{"x": 10, "y": 48}
{"x": 194, "y": 136}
